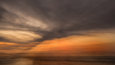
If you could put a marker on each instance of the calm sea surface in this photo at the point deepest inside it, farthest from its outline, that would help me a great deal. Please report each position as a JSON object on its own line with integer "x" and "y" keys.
{"x": 28, "y": 61}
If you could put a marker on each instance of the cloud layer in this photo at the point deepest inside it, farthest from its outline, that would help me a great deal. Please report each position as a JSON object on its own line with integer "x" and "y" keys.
{"x": 24, "y": 21}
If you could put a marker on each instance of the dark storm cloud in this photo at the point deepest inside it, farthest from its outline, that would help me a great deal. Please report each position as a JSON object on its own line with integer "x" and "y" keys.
{"x": 58, "y": 18}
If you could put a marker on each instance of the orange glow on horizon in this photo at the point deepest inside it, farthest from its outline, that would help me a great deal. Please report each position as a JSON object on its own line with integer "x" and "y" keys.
{"x": 71, "y": 45}
{"x": 7, "y": 43}
{"x": 74, "y": 45}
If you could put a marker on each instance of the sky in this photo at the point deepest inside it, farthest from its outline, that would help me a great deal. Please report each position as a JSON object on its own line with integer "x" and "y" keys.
{"x": 28, "y": 24}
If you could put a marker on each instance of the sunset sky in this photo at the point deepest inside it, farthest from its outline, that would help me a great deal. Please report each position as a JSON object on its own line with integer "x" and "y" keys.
{"x": 57, "y": 27}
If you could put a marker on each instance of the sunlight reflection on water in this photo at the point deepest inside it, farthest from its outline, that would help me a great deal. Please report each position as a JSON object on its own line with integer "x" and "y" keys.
{"x": 23, "y": 61}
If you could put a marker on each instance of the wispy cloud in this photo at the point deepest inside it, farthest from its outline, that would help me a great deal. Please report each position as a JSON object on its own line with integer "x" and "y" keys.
{"x": 19, "y": 36}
